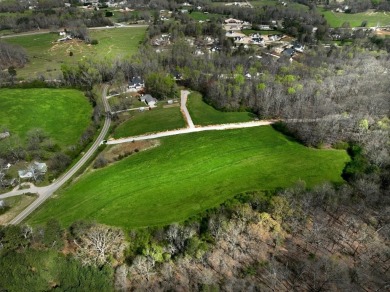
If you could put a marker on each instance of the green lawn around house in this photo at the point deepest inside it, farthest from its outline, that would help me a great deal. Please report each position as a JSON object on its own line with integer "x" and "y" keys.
{"x": 63, "y": 114}
{"x": 188, "y": 174}
{"x": 149, "y": 121}
{"x": 46, "y": 55}
{"x": 204, "y": 114}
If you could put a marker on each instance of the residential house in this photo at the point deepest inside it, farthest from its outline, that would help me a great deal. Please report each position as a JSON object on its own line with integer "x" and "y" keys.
{"x": 289, "y": 52}
{"x": 298, "y": 46}
{"x": 233, "y": 21}
{"x": 34, "y": 171}
{"x": 136, "y": 83}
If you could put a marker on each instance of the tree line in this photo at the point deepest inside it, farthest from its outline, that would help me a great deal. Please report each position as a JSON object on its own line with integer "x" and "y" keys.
{"x": 52, "y": 19}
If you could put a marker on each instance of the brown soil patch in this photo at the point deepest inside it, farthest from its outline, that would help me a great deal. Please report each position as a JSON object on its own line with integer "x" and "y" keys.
{"x": 74, "y": 45}
{"x": 382, "y": 32}
{"x": 171, "y": 105}
{"x": 120, "y": 151}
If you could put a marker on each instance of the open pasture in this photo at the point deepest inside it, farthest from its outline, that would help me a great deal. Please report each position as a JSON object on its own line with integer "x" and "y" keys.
{"x": 46, "y": 55}
{"x": 188, "y": 174}
{"x": 204, "y": 114}
{"x": 63, "y": 114}
{"x": 150, "y": 121}
{"x": 336, "y": 19}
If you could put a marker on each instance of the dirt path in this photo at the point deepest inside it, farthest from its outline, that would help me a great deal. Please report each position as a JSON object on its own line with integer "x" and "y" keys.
{"x": 192, "y": 130}
{"x": 184, "y": 110}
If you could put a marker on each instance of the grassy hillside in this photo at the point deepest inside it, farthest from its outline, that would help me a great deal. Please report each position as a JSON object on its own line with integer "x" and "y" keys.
{"x": 336, "y": 19}
{"x": 63, "y": 114}
{"x": 204, "y": 114}
{"x": 46, "y": 55}
{"x": 188, "y": 174}
{"x": 156, "y": 120}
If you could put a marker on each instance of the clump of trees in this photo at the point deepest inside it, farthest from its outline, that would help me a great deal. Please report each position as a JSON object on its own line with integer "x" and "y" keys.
{"x": 33, "y": 257}
{"x": 48, "y": 16}
{"x": 12, "y": 56}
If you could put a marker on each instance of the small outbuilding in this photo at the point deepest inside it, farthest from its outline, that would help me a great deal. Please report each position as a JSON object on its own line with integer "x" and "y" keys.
{"x": 149, "y": 100}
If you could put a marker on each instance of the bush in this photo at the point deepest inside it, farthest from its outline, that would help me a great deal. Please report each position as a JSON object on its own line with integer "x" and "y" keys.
{"x": 100, "y": 162}
{"x": 341, "y": 145}
{"x": 94, "y": 42}
{"x": 358, "y": 164}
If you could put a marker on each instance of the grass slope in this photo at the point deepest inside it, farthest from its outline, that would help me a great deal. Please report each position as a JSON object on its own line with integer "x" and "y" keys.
{"x": 204, "y": 114}
{"x": 156, "y": 120}
{"x": 336, "y": 19}
{"x": 63, "y": 114}
{"x": 46, "y": 55}
{"x": 188, "y": 174}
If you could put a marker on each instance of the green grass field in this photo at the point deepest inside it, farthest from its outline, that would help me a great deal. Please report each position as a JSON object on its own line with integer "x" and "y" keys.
{"x": 204, "y": 114}
{"x": 63, "y": 114}
{"x": 336, "y": 19}
{"x": 188, "y": 174}
{"x": 46, "y": 55}
{"x": 156, "y": 120}
{"x": 198, "y": 15}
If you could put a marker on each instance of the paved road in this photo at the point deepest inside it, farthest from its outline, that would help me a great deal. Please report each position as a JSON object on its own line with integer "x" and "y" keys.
{"x": 192, "y": 130}
{"x": 46, "y": 192}
{"x": 183, "y": 108}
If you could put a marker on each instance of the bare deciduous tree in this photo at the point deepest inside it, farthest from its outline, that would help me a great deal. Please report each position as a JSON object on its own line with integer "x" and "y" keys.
{"x": 98, "y": 243}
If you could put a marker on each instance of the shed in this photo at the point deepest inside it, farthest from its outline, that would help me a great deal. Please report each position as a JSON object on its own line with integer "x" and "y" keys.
{"x": 150, "y": 100}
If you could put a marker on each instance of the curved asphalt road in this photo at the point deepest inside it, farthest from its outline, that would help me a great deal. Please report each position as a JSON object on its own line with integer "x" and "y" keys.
{"x": 46, "y": 192}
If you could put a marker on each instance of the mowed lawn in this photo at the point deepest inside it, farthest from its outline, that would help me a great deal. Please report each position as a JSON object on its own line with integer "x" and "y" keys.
{"x": 188, "y": 174}
{"x": 336, "y": 19}
{"x": 198, "y": 15}
{"x": 46, "y": 55}
{"x": 63, "y": 114}
{"x": 204, "y": 114}
{"x": 155, "y": 120}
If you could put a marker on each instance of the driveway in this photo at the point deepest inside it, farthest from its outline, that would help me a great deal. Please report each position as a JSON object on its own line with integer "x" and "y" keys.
{"x": 184, "y": 110}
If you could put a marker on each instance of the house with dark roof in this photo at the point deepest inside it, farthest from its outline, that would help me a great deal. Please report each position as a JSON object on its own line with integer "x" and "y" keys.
{"x": 136, "y": 83}
{"x": 289, "y": 52}
{"x": 298, "y": 46}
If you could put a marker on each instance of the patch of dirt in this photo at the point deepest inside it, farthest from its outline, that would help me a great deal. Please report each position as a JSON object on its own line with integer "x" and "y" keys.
{"x": 136, "y": 146}
{"x": 382, "y": 32}
{"x": 171, "y": 105}
{"x": 74, "y": 45}
{"x": 123, "y": 150}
